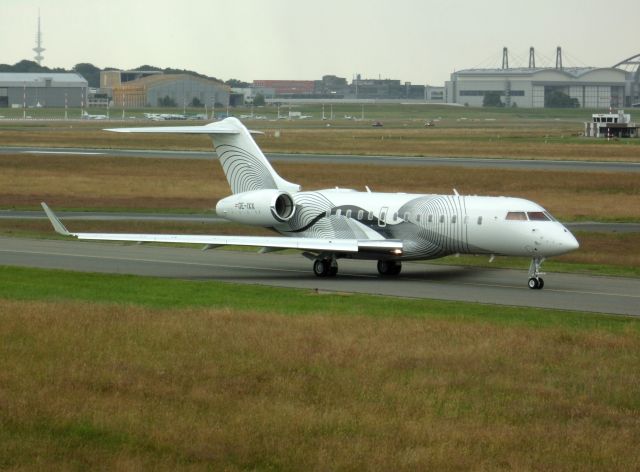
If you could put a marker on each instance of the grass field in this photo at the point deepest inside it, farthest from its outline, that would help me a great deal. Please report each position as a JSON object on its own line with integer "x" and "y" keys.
{"x": 459, "y": 132}
{"x": 121, "y": 372}
{"x": 114, "y": 372}
{"x": 73, "y": 182}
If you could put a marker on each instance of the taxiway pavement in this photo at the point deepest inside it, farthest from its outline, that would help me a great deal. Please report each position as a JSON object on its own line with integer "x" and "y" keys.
{"x": 471, "y": 162}
{"x": 615, "y": 295}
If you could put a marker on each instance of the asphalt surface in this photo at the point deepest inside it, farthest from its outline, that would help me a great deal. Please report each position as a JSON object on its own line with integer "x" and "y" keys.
{"x": 615, "y": 295}
{"x": 471, "y": 162}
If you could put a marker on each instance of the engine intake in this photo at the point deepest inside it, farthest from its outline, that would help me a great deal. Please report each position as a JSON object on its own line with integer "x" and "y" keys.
{"x": 258, "y": 207}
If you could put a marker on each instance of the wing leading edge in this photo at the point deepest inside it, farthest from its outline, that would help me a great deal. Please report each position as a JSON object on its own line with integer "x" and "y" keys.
{"x": 384, "y": 246}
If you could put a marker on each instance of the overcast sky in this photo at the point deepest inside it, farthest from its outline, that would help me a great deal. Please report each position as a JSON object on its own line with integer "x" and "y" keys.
{"x": 421, "y": 41}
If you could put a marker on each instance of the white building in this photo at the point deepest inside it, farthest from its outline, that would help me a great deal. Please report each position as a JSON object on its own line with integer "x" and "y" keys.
{"x": 527, "y": 87}
{"x": 613, "y": 124}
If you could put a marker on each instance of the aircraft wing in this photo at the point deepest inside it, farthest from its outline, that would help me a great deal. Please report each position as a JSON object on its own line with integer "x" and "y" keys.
{"x": 384, "y": 246}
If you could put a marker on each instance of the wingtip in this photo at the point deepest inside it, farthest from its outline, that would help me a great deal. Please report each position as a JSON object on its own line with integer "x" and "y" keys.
{"x": 57, "y": 224}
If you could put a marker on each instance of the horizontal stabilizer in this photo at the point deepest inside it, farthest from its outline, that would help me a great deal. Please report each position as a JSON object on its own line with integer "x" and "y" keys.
{"x": 210, "y": 129}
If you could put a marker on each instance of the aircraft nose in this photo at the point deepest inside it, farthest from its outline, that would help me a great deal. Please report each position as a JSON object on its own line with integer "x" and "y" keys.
{"x": 568, "y": 241}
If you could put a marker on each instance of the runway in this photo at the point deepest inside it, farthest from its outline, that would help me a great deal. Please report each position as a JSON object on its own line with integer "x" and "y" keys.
{"x": 470, "y": 162}
{"x": 615, "y": 295}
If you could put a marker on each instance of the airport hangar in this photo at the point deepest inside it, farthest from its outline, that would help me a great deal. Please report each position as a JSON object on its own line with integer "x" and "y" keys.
{"x": 592, "y": 87}
{"x": 42, "y": 89}
{"x": 138, "y": 89}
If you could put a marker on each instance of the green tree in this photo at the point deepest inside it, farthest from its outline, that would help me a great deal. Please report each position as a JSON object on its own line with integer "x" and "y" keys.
{"x": 492, "y": 99}
{"x": 258, "y": 100}
{"x": 90, "y": 72}
{"x": 167, "y": 102}
{"x": 196, "y": 103}
{"x": 236, "y": 83}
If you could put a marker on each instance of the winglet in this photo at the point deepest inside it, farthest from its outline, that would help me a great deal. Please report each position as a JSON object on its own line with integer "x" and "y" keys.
{"x": 57, "y": 224}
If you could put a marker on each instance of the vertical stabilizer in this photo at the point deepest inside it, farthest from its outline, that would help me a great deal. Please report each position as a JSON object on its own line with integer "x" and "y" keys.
{"x": 243, "y": 163}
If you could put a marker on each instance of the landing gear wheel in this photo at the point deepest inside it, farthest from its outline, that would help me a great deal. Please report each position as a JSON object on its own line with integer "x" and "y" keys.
{"x": 389, "y": 267}
{"x": 321, "y": 267}
{"x": 536, "y": 283}
{"x": 324, "y": 268}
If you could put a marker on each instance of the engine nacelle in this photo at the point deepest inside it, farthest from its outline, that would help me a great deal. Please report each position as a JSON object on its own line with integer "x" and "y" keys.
{"x": 258, "y": 207}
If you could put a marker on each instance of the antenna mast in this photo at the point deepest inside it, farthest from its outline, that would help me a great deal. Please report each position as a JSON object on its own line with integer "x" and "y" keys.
{"x": 39, "y": 49}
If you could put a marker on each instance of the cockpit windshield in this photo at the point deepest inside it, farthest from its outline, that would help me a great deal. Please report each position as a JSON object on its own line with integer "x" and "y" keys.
{"x": 529, "y": 216}
{"x": 537, "y": 216}
{"x": 517, "y": 215}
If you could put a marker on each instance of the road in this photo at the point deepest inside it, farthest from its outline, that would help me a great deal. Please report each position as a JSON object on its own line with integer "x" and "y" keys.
{"x": 471, "y": 162}
{"x": 615, "y": 295}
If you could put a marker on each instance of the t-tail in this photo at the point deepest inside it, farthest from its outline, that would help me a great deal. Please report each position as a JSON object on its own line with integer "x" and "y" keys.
{"x": 243, "y": 163}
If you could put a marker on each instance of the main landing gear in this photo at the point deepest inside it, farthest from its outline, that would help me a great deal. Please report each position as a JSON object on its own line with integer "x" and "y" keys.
{"x": 535, "y": 281}
{"x": 325, "y": 267}
{"x": 386, "y": 267}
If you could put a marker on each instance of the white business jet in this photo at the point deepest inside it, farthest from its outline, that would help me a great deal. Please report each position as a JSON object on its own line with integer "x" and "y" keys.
{"x": 332, "y": 224}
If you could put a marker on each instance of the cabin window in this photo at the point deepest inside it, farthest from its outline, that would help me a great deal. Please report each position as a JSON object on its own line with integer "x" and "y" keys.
{"x": 406, "y": 216}
{"x": 360, "y": 214}
{"x": 381, "y": 220}
{"x": 395, "y": 217}
{"x": 338, "y": 212}
{"x": 441, "y": 218}
{"x": 418, "y": 217}
{"x": 537, "y": 216}
{"x": 370, "y": 216}
{"x": 454, "y": 218}
{"x": 348, "y": 214}
{"x": 517, "y": 215}
{"x": 479, "y": 220}
{"x": 430, "y": 219}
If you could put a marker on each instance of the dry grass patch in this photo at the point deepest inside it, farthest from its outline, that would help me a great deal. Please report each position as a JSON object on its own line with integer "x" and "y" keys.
{"x": 88, "y": 182}
{"x": 516, "y": 139}
{"x": 619, "y": 249}
{"x": 482, "y": 142}
{"x": 111, "y": 386}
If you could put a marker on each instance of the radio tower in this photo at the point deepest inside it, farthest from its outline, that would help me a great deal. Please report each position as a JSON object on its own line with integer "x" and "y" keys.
{"x": 39, "y": 49}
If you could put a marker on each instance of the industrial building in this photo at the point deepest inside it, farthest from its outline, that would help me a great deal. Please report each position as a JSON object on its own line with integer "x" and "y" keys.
{"x": 532, "y": 87}
{"x": 611, "y": 125}
{"x": 331, "y": 87}
{"x": 138, "y": 89}
{"x": 42, "y": 89}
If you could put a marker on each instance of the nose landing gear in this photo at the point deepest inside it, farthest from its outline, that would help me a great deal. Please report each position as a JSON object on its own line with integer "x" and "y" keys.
{"x": 535, "y": 281}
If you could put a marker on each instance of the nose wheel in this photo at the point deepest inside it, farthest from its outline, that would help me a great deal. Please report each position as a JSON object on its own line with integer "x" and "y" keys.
{"x": 535, "y": 281}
